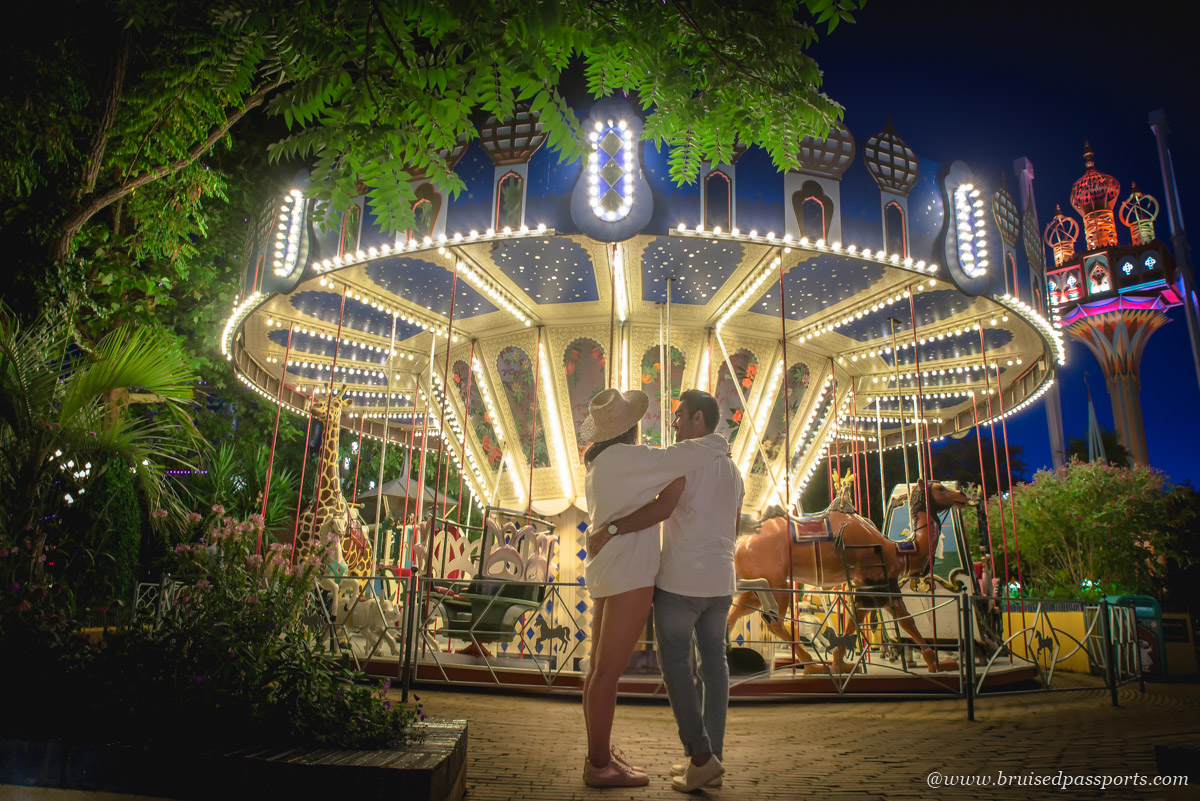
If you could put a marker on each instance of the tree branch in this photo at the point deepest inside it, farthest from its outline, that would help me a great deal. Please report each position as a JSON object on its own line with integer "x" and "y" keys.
{"x": 728, "y": 62}
{"x": 108, "y": 115}
{"x": 95, "y": 203}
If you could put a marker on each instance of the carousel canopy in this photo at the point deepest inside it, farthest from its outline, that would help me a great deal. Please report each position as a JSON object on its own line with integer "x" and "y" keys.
{"x": 845, "y": 305}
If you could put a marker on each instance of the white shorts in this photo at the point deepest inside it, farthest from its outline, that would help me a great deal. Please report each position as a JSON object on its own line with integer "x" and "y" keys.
{"x": 626, "y": 562}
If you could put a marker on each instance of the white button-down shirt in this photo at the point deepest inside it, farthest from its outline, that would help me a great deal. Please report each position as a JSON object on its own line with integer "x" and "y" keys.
{"x": 697, "y": 549}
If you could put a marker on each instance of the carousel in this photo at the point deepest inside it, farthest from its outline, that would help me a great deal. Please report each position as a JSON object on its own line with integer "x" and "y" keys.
{"x": 866, "y": 301}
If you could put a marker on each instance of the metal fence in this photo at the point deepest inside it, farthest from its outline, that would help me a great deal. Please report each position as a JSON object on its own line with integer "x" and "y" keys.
{"x": 535, "y": 635}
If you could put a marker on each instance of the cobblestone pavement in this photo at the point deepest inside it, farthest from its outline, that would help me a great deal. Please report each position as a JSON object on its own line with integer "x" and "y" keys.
{"x": 532, "y": 747}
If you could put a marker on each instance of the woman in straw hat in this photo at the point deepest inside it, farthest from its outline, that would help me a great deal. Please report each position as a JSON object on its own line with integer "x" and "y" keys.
{"x": 622, "y": 477}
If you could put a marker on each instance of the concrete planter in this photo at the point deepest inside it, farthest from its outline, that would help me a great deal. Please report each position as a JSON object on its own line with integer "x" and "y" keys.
{"x": 432, "y": 768}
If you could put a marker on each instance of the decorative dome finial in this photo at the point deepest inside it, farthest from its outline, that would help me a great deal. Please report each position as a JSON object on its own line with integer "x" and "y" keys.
{"x": 1061, "y": 234}
{"x": 828, "y": 157}
{"x": 891, "y": 162}
{"x": 1093, "y": 196}
{"x": 1138, "y": 213}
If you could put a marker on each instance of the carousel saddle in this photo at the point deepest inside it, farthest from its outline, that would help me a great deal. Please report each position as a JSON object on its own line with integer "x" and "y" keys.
{"x": 810, "y": 528}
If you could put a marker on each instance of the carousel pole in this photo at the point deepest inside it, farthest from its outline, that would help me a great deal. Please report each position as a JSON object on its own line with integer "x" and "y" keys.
{"x": 787, "y": 412}
{"x": 443, "y": 428}
{"x": 996, "y": 463}
{"x": 271, "y": 460}
{"x": 1012, "y": 502}
{"x": 404, "y": 549}
{"x": 467, "y": 416}
{"x": 388, "y": 378}
{"x": 612, "y": 312}
{"x": 899, "y": 405}
{"x": 920, "y": 404}
{"x": 919, "y": 420}
{"x": 1012, "y": 506}
{"x": 883, "y": 492}
{"x": 300, "y": 493}
{"x": 859, "y": 490}
{"x": 837, "y": 445}
{"x": 420, "y": 504}
{"x": 420, "y": 500}
{"x": 927, "y": 470}
{"x": 983, "y": 490}
{"x": 362, "y": 419}
{"x": 662, "y": 372}
{"x": 669, "y": 373}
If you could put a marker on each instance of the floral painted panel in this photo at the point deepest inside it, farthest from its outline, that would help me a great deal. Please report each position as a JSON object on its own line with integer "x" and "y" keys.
{"x": 745, "y": 370}
{"x": 797, "y": 383}
{"x": 480, "y": 421}
{"x": 652, "y": 386}
{"x": 516, "y": 373}
{"x": 584, "y": 366}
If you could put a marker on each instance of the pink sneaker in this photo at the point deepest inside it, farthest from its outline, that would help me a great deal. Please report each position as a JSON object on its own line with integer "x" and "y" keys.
{"x": 614, "y": 774}
{"x": 619, "y": 756}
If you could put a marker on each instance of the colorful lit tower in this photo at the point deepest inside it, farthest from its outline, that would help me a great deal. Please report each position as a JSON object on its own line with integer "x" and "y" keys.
{"x": 1109, "y": 296}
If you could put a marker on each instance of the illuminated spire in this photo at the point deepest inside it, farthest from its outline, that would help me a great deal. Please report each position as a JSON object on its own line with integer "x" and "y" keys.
{"x": 1061, "y": 234}
{"x": 1093, "y": 197}
{"x": 1138, "y": 213}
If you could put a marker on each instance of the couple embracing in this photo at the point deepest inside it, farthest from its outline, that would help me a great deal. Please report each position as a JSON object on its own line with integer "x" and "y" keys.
{"x": 694, "y": 487}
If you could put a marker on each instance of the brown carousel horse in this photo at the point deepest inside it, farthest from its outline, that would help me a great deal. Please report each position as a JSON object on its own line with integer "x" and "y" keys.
{"x": 833, "y": 548}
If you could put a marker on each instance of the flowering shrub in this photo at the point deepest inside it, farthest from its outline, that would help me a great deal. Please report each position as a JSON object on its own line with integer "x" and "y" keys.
{"x": 1088, "y": 529}
{"x": 230, "y": 663}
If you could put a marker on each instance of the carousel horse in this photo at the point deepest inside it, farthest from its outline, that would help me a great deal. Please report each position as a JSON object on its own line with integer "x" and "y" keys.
{"x": 833, "y": 548}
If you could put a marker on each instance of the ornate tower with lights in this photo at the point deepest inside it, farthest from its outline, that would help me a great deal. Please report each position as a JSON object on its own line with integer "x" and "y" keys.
{"x": 1109, "y": 296}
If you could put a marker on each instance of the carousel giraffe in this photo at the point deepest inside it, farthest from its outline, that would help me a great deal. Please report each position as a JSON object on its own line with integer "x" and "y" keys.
{"x": 329, "y": 511}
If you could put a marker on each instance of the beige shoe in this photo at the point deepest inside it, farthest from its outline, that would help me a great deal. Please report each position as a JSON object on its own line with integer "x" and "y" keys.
{"x": 697, "y": 776}
{"x": 681, "y": 769}
{"x": 614, "y": 774}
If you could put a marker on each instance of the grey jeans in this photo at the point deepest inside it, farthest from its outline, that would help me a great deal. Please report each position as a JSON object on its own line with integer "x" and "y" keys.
{"x": 699, "y": 707}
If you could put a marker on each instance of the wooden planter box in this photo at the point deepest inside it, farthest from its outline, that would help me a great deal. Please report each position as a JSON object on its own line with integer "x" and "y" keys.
{"x": 431, "y": 768}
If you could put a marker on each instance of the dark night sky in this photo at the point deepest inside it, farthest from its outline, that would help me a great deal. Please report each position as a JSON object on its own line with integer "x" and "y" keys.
{"x": 988, "y": 83}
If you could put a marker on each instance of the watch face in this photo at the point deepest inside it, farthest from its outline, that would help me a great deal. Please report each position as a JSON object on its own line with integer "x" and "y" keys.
{"x": 612, "y": 528}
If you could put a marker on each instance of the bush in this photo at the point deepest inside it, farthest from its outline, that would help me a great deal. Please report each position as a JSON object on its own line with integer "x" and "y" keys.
{"x": 230, "y": 665}
{"x": 1089, "y": 529}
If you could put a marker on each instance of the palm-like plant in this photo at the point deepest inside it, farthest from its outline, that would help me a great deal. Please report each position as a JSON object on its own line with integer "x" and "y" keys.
{"x": 234, "y": 477}
{"x": 64, "y": 405}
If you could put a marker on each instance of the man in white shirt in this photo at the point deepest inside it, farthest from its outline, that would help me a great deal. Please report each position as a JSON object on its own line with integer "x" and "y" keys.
{"x": 694, "y": 589}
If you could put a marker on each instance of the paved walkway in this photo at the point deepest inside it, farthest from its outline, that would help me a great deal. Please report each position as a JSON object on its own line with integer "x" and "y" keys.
{"x": 532, "y": 747}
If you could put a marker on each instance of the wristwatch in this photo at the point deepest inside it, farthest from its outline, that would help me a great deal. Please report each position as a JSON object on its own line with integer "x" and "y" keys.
{"x": 612, "y": 528}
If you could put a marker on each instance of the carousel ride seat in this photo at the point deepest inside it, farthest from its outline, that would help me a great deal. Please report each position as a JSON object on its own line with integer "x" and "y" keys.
{"x": 810, "y": 528}
{"x": 488, "y": 611}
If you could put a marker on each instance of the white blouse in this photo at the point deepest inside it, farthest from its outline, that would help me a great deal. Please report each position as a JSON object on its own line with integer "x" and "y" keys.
{"x": 620, "y": 481}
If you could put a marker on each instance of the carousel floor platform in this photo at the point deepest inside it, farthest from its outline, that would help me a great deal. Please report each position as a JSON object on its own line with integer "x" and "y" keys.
{"x": 781, "y": 683}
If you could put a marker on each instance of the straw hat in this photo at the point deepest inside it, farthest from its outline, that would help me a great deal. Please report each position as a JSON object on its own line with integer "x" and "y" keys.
{"x": 612, "y": 413}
